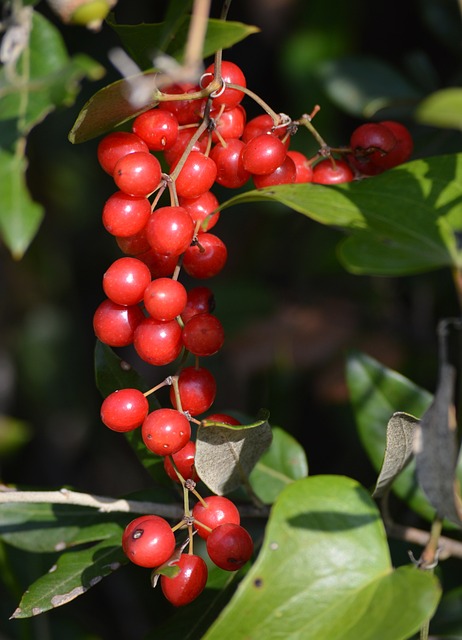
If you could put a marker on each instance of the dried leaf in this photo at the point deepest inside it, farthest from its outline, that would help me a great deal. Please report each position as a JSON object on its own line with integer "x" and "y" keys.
{"x": 226, "y": 454}
{"x": 436, "y": 450}
{"x": 401, "y": 430}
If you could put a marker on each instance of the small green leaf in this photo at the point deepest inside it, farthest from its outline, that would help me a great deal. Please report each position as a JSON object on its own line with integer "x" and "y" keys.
{"x": 74, "y": 573}
{"x": 436, "y": 449}
{"x": 376, "y": 393}
{"x": 401, "y": 430}
{"x": 324, "y": 571}
{"x": 44, "y": 528}
{"x": 441, "y": 109}
{"x": 363, "y": 86}
{"x": 20, "y": 216}
{"x": 400, "y": 222}
{"x": 226, "y": 454}
{"x": 283, "y": 463}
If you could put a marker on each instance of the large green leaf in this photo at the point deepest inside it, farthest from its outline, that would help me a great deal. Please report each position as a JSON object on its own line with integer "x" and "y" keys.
{"x": 20, "y": 216}
{"x": 376, "y": 393}
{"x": 442, "y": 109}
{"x": 283, "y": 463}
{"x": 324, "y": 571}
{"x": 400, "y": 222}
{"x": 73, "y": 574}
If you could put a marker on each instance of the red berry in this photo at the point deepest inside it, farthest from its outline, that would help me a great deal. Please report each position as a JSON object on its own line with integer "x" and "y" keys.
{"x": 184, "y": 462}
{"x": 134, "y": 245}
{"x": 188, "y": 584}
{"x": 185, "y": 111}
{"x": 138, "y": 173}
{"x": 202, "y": 209}
{"x": 184, "y": 136}
{"x": 158, "y": 128}
{"x": 160, "y": 266}
{"x": 230, "y": 546}
{"x": 230, "y": 73}
{"x": 115, "y": 324}
{"x": 206, "y": 258}
{"x": 229, "y": 124}
{"x": 158, "y": 343}
{"x": 263, "y": 154}
{"x": 403, "y": 148}
{"x": 230, "y": 168}
{"x": 197, "y": 388}
{"x": 326, "y": 172}
{"x": 219, "y": 510}
{"x": 224, "y": 418}
{"x": 117, "y": 145}
{"x": 261, "y": 124}
{"x": 125, "y": 215}
{"x": 165, "y": 431}
{"x": 170, "y": 230}
{"x": 302, "y": 166}
{"x": 196, "y": 176}
{"x": 286, "y": 173}
{"x": 165, "y": 299}
{"x": 148, "y": 541}
{"x": 124, "y": 410}
{"x": 371, "y": 143}
{"x": 203, "y": 335}
{"x": 126, "y": 280}
{"x": 200, "y": 300}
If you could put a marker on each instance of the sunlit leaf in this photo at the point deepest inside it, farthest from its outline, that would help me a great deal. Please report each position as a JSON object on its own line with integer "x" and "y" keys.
{"x": 442, "y": 109}
{"x": 324, "y": 571}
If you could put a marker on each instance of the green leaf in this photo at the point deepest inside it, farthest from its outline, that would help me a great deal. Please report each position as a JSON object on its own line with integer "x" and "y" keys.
{"x": 401, "y": 222}
{"x": 324, "y": 571}
{"x": 144, "y": 41}
{"x": 47, "y": 78}
{"x": 441, "y": 109}
{"x": 363, "y": 86}
{"x": 74, "y": 573}
{"x": 447, "y": 622}
{"x": 226, "y": 454}
{"x": 284, "y": 462}
{"x": 376, "y": 393}
{"x": 401, "y": 431}
{"x": 14, "y": 434}
{"x": 20, "y": 216}
{"x": 43, "y": 528}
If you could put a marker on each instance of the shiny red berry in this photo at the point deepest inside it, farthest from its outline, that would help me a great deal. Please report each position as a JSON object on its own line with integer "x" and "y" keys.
{"x": 125, "y": 280}
{"x": 148, "y": 541}
{"x": 197, "y": 388}
{"x": 116, "y": 145}
{"x": 115, "y": 324}
{"x": 165, "y": 431}
{"x": 170, "y": 230}
{"x": 188, "y": 584}
{"x": 203, "y": 335}
{"x": 138, "y": 173}
{"x": 230, "y": 546}
{"x": 184, "y": 462}
{"x": 124, "y": 410}
{"x": 219, "y": 510}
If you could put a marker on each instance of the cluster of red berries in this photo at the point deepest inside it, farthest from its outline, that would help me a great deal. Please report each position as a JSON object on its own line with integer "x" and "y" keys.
{"x": 201, "y": 138}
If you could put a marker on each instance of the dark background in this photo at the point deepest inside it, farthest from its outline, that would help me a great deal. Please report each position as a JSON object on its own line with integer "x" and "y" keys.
{"x": 289, "y": 309}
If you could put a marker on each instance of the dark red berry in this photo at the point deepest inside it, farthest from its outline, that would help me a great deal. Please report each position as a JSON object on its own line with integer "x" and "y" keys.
{"x": 200, "y": 300}
{"x": 230, "y": 546}
{"x": 197, "y": 388}
{"x": 206, "y": 258}
{"x": 203, "y": 335}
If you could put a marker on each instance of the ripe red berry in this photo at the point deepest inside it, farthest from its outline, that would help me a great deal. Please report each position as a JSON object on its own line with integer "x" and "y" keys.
{"x": 184, "y": 136}
{"x": 170, "y": 230}
{"x": 200, "y": 300}
{"x": 125, "y": 215}
{"x": 148, "y": 541}
{"x": 165, "y": 431}
{"x": 124, "y": 410}
{"x": 325, "y": 172}
{"x": 230, "y": 546}
{"x": 138, "y": 173}
{"x": 203, "y": 335}
{"x": 230, "y": 73}
{"x": 125, "y": 281}
{"x": 197, "y": 388}
{"x": 185, "y": 111}
{"x": 302, "y": 166}
{"x": 286, "y": 173}
{"x": 230, "y": 168}
{"x": 370, "y": 144}
{"x": 134, "y": 245}
{"x": 261, "y": 124}
{"x": 184, "y": 462}
{"x": 196, "y": 176}
{"x": 161, "y": 266}
{"x": 403, "y": 148}
{"x": 219, "y": 510}
{"x": 202, "y": 209}
{"x": 229, "y": 124}
{"x": 206, "y": 258}
{"x": 263, "y": 154}
{"x": 115, "y": 324}
{"x": 224, "y": 418}
{"x": 116, "y": 145}
{"x": 158, "y": 128}
{"x": 165, "y": 299}
{"x": 158, "y": 343}
{"x": 188, "y": 584}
